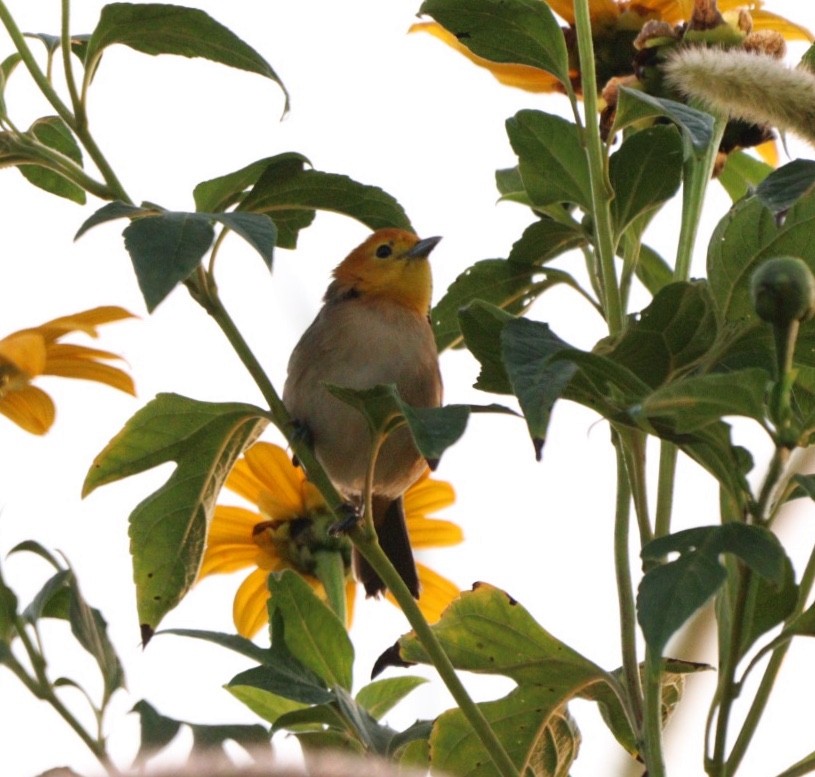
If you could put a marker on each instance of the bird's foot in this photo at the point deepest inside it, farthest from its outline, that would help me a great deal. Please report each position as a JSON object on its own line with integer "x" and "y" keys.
{"x": 349, "y": 517}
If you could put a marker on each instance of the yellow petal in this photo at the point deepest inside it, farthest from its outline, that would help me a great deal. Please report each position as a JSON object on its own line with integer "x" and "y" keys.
{"x": 30, "y": 408}
{"x": 674, "y": 11}
{"x": 436, "y": 593}
{"x": 86, "y": 321}
{"x": 76, "y": 361}
{"x": 433, "y": 532}
{"x": 525, "y": 77}
{"x": 427, "y": 496}
{"x": 764, "y": 20}
{"x": 249, "y": 611}
{"x": 242, "y": 481}
{"x": 350, "y": 601}
{"x": 282, "y": 496}
{"x": 768, "y": 151}
{"x": 225, "y": 558}
{"x": 599, "y": 10}
{"x": 233, "y": 525}
{"x": 25, "y": 351}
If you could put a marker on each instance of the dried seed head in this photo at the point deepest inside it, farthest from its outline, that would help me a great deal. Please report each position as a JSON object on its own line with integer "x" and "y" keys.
{"x": 767, "y": 42}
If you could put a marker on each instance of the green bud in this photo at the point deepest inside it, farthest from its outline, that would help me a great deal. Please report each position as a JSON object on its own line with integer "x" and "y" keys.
{"x": 783, "y": 290}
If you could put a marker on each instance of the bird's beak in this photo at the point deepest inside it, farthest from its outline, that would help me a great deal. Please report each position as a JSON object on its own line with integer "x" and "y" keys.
{"x": 423, "y": 248}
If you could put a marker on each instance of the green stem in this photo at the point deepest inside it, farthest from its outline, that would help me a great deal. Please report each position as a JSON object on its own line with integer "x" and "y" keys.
{"x": 698, "y": 171}
{"x": 67, "y": 63}
{"x": 653, "y": 715}
{"x": 40, "y": 78}
{"x": 765, "y": 687}
{"x": 43, "y": 156}
{"x": 625, "y": 591}
{"x": 204, "y": 291}
{"x": 727, "y": 687}
{"x": 601, "y": 192}
{"x": 376, "y": 557}
{"x": 665, "y": 488}
{"x": 41, "y": 687}
{"x": 634, "y": 460}
{"x": 117, "y": 191}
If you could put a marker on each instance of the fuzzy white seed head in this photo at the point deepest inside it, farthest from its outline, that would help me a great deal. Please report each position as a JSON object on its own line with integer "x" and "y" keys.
{"x": 752, "y": 87}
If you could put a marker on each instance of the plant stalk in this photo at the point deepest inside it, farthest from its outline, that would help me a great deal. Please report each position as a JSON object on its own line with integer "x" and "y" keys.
{"x": 601, "y": 192}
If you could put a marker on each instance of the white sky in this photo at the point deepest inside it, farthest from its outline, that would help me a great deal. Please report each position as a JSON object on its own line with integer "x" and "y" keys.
{"x": 401, "y": 112}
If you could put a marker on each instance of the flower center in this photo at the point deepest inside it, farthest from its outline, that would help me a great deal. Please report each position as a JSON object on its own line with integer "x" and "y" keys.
{"x": 299, "y": 540}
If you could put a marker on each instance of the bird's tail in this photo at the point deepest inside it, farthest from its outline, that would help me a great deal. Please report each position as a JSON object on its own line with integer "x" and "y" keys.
{"x": 391, "y": 529}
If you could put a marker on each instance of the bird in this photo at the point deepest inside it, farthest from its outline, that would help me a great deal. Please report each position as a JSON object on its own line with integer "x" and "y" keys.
{"x": 373, "y": 328}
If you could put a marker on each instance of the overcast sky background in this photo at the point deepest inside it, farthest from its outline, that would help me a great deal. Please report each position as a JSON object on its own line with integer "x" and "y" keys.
{"x": 395, "y": 110}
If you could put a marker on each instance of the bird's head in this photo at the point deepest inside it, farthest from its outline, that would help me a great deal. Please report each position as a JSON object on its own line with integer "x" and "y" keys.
{"x": 391, "y": 264}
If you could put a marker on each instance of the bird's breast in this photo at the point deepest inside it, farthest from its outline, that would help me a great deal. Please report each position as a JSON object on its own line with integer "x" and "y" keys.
{"x": 359, "y": 343}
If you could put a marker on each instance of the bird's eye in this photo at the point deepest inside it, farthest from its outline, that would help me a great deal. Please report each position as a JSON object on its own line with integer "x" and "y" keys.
{"x": 384, "y": 251}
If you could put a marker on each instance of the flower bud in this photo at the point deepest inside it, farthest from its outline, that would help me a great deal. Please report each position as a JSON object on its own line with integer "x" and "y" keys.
{"x": 783, "y": 290}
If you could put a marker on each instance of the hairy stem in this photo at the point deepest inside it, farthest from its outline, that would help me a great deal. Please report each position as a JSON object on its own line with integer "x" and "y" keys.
{"x": 601, "y": 193}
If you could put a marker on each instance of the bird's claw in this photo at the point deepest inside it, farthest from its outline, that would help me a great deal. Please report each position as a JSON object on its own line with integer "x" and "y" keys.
{"x": 350, "y": 516}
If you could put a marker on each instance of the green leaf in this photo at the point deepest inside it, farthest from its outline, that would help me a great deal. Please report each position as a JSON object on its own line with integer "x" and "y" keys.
{"x": 168, "y": 529}
{"x": 767, "y": 605}
{"x": 234, "y": 642}
{"x": 286, "y": 678}
{"x": 507, "y": 285}
{"x": 692, "y": 403}
{"x": 90, "y": 630}
{"x": 633, "y": 106}
{"x": 312, "y": 631}
{"x": 381, "y": 696}
{"x": 744, "y": 238}
{"x": 670, "y": 593}
{"x": 537, "y": 380}
{"x": 652, "y": 270}
{"x": 375, "y": 737}
{"x": 157, "y": 730}
{"x": 205, "y": 738}
{"x": 7, "y": 67}
{"x": 434, "y": 429}
{"x": 112, "y": 211}
{"x": 523, "y": 32}
{"x": 552, "y": 161}
{"x": 674, "y": 331}
{"x": 287, "y": 188}
{"x": 156, "y": 28}
{"x": 544, "y": 240}
{"x": 52, "y": 600}
{"x": 221, "y": 193}
{"x": 487, "y": 632}
{"x": 165, "y": 249}
{"x": 510, "y": 186}
{"x": 481, "y": 324}
{"x": 8, "y": 613}
{"x": 614, "y": 714}
{"x": 742, "y": 173}
{"x": 805, "y": 486}
{"x": 645, "y": 172}
{"x": 256, "y": 229}
{"x": 782, "y": 188}
{"x": 266, "y": 705}
{"x": 53, "y": 133}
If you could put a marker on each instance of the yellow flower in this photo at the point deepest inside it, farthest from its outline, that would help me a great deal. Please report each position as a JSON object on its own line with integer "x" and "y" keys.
{"x": 615, "y": 26}
{"x": 291, "y": 526}
{"x": 26, "y": 354}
